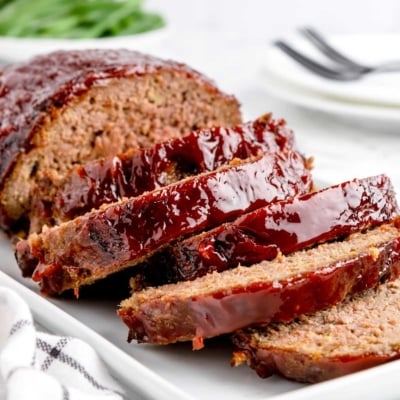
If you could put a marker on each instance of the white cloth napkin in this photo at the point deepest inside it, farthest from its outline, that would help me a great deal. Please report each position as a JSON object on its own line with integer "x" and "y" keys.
{"x": 36, "y": 365}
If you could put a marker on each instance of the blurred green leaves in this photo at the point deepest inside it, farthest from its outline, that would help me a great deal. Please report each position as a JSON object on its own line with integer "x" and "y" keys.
{"x": 75, "y": 18}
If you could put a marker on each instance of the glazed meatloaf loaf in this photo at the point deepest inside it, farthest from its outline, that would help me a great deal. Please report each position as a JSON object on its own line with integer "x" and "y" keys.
{"x": 67, "y": 107}
{"x": 283, "y": 226}
{"x": 277, "y": 290}
{"x": 129, "y": 174}
{"x": 122, "y": 234}
{"x": 361, "y": 332}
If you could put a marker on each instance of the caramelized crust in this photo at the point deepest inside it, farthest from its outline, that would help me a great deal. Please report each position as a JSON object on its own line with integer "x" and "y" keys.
{"x": 285, "y": 226}
{"x": 68, "y": 107}
{"x": 277, "y": 290}
{"x": 130, "y": 174}
{"x": 359, "y": 333}
{"x": 122, "y": 234}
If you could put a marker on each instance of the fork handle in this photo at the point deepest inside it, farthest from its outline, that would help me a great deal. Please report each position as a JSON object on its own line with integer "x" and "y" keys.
{"x": 390, "y": 66}
{"x": 317, "y": 68}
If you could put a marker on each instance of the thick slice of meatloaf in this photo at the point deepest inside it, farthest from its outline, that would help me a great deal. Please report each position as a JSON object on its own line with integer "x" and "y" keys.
{"x": 284, "y": 226}
{"x": 277, "y": 290}
{"x": 69, "y": 107}
{"x": 122, "y": 234}
{"x": 130, "y": 174}
{"x": 361, "y": 332}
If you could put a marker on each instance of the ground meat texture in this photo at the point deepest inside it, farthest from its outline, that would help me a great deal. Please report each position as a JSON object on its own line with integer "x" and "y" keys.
{"x": 277, "y": 290}
{"x": 122, "y": 234}
{"x": 284, "y": 226}
{"x": 129, "y": 174}
{"x": 69, "y": 107}
{"x": 361, "y": 332}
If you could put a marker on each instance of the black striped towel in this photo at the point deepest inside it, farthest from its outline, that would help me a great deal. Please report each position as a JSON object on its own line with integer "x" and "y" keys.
{"x": 36, "y": 365}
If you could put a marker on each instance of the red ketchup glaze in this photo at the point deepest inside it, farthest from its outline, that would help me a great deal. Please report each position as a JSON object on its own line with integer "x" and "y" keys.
{"x": 116, "y": 236}
{"x": 130, "y": 174}
{"x": 285, "y": 226}
{"x": 222, "y": 312}
{"x": 29, "y": 89}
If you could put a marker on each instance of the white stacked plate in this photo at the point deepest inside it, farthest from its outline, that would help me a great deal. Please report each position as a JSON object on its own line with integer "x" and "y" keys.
{"x": 375, "y": 96}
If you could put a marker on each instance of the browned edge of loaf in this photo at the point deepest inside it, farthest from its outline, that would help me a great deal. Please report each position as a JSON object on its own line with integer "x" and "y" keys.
{"x": 283, "y": 226}
{"x": 121, "y": 234}
{"x": 278, "y": 290}
{"x": 301, "y": 367}
{"x": 38, "y": 94}
{"x": 369, "y": 340}
{"x": 129, "y": 174}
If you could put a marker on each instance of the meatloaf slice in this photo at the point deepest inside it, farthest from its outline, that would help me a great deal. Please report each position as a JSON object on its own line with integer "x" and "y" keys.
{"x": 278, "y": 290}
{"x": 68, "y": 107}
{"x": 284, "y": 226}
{"x": 122, "y": 234}
{"x": 130, "y": 174}
{"x": 361, "y": 332}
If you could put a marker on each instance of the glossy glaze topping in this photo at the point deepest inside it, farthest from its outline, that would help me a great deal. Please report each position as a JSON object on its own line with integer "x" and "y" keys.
{"x": 360, "y": 332}
{"x": 121, "y": 234}
{"x": 29, "y": 89}
{"x": 285, "y": 226}
{"x": 168, "y": 314}
{"x": 130, "y": 174}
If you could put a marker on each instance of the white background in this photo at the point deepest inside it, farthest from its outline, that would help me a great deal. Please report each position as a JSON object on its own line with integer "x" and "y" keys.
{"x": 273, "y": 17}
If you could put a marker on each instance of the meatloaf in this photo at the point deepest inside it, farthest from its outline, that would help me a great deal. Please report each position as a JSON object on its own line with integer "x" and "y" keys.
{"x": 130, "y": 174}
{"x": 361, "y": 332}
{"x": 67, "y": 107}
{"x": 277, "y": 290}
{"x": 283, "y": 226}
{"x": 122, "y": 234}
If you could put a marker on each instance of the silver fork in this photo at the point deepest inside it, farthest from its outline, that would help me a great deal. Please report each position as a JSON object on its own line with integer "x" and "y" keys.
{"x": 345, "y": 69}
